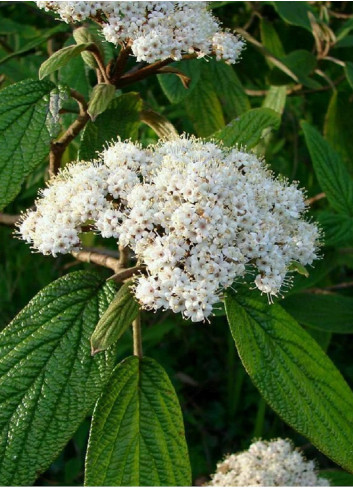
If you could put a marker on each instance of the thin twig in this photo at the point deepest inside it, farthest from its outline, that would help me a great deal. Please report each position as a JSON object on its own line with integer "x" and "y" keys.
{"x": 97, "y": 258}
{"x": 123, "y": 256}
{"x": 317, "y": 197}
{"x": 120, "y": 63}
{"x": 137, "y": 337}
{"x": 152, "y": 69}
{"x": 125, "y": 273}
{"x": 9, "y": 220}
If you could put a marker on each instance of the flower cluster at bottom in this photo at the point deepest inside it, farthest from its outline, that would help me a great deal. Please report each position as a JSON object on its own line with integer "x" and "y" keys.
{"x": 274, "y": 463}
{"x": 197, "y": 214}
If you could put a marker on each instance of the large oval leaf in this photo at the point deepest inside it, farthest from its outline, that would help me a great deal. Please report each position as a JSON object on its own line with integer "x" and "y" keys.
{"x": 24, "y": 135}
{"x": 247, "y": 130}
{"x": 330, "y": 170}
{"x": 48, "y": 380}
{"x": 137, "y": 436}
{"x": 293, "y": 374}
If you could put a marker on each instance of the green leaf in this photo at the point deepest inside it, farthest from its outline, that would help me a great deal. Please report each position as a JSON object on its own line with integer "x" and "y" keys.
{"x": 121, "y": 119}
{"x": 171, "y": 84}
{"x": 338, "y": 125}
{"x": 24, "y": 135}
{"x": 137, "y": 435}
{"x": 293, "y": 374}
{"x": 337, "y": 477}
{"x": 33, "y": 43}
{"x": 337, "y": 228}
{"x": 333, "y": 176}
{"x": 295, "y": 13}
{"x": 301, "y": 63}
{"x": 75, "y": 74}
{"x": 204, "y": 108}
{"x": 344, "y": 29}
{"x": 325, "y": 312}
{"x": 276, "y": 98}
{"x": 271, "y": 40}
{"x": 347, "y": 42}
{"x": 247, "y": 129}
{"x": 102, "y": 95}
{"x": 49, "y": 380}
{"x": 117, "y": 318}
{"x": 228, "y": 88}
{"x": 62, "y": 57}
{"x": 348, "y": 69}
{"x": 83, "y": 35}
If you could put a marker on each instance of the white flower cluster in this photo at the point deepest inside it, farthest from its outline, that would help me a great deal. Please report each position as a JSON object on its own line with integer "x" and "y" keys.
{"x": 156, "y": 30}
{"x": 196, "y": 214}
{"x": 267, "y": 463}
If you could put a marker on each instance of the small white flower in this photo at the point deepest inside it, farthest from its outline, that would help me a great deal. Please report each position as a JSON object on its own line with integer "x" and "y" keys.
{"x": 156, "y": 30}
{"x": 197, "y": 215}
{"x": 267, "y": 463}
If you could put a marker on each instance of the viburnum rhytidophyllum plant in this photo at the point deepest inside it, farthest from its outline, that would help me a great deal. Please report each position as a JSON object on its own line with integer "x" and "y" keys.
{"x": 196, "y": 223}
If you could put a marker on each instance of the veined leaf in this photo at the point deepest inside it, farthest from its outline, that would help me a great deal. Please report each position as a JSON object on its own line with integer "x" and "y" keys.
{"x": 121, "y": 119}
{"x": 337, "y": 228}
{"x": 325, "y": 312}
{"x": 24, "y": 135}
{"x": 247, "y": 129}
{"x": 171, "y": 84}
{"x": 271, "y": 40}
{"x": 102, "y": 95}
{"x": 302, "y": 63}
{"x": 295, "y": 13}
{"x": 293, "y": 374}
{"x": 62, "y": 57}
{"x": 117, "y": 318}
{"x": 333, "y": 176}
{"x": 83, "y": 35}
{"x": 228, "y": 89}
{"x": 49, "y": 380}
{"x": 338, "y": 126}
{"x": 276, "y": 98}
{"x": 137, "y": 435}
{"x": 204, "y": 108}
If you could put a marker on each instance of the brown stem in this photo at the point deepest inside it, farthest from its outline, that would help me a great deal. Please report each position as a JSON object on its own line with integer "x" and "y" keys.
{"x": 97, "y": 258}
{"x": 9, "y": 220}
{"x": 152, "y": 69}
{"x": 120, "y": 64}
{"x": 123, "y": 256}
{"x": 137, "y": 337}
{"x": 58, "y": 147}
{"x": 317, "y": 197}
{"x": 126, "y": 273}
{"x": 99, "y": 61}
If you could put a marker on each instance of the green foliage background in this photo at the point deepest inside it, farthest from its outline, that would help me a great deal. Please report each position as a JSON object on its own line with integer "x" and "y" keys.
{"x": 298, "y": 64}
